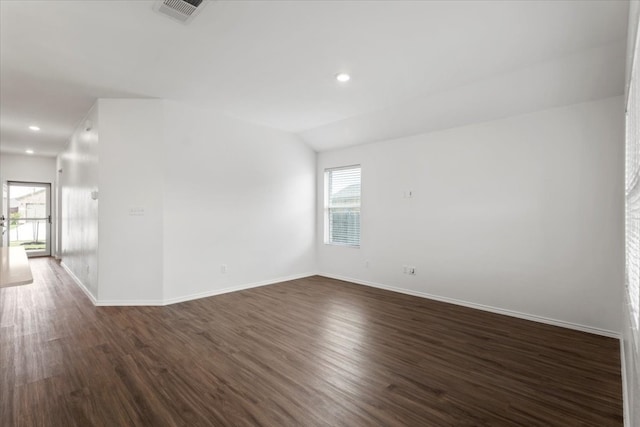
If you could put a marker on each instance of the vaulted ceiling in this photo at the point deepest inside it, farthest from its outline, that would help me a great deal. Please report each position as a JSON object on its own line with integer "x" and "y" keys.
{"x": 415, "y": 66}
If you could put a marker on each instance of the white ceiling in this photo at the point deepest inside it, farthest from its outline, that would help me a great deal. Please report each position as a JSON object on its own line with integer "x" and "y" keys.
{"x": 415, "y": 66}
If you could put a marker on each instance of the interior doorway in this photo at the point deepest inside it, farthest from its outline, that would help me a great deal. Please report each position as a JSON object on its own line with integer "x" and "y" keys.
{"x": 28, "y": 217}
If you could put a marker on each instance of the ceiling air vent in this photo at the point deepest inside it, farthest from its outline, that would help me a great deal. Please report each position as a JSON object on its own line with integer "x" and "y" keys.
{"x": 180, "y": 10}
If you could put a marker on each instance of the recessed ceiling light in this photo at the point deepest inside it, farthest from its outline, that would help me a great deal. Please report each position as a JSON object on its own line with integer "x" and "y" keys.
{"x": 29, "y": 151}
{"x": 34, "y": 128}
{"x": 343, "y": 77}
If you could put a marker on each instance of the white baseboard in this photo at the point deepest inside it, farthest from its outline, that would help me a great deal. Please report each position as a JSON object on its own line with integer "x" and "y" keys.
{"x": 79, "y": 283}
{"x": 161, "y": 302}
{"x": 483, "y": 307}
{"x": 214, "y": 292}
{"x": 128, "y": 303}
{"x": 105, "y": 303}
{"x": 234, "y": 288}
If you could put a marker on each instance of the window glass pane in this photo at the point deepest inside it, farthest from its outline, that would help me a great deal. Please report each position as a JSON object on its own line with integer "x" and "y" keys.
{"x": 343, "y": 206}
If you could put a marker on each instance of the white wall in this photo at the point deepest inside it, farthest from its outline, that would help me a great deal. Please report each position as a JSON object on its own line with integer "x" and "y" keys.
{"x": 630, "y": 332}
{"x": 78, "y": 211}
{"x": 235, "y": 194}
{"x": 121, "y": 158}
{"x": 631, "y": 368}
{"x": 130, "y": 193}
{"x": 522, "y": 214}
{"x": 16, "y": 167}
{"x": 632, "y": 30}
{"x": 183, "y": 191}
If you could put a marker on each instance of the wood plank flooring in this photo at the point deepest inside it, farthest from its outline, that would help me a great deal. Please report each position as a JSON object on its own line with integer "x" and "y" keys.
{"x": 310, "y": 352}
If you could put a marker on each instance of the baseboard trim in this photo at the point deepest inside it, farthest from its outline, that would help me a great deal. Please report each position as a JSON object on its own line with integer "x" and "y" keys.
{"x": 128, "y": 303}
{"x": 206, "y": 294}
{"x": 169, "y": 301}
{"x": 215, "y": 292}
{"x": 79, "y": 283}
{"x": 512, "y": 313}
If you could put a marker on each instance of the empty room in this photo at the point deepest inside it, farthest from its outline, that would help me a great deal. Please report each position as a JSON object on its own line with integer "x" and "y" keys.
{"x": 319, "y": 213}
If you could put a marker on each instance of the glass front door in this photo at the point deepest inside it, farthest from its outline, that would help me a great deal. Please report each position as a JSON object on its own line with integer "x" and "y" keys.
{"x": 28, "y": 217}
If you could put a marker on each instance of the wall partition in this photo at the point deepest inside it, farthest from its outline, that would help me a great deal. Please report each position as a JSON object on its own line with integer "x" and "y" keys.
{"x": 632, "y": 221}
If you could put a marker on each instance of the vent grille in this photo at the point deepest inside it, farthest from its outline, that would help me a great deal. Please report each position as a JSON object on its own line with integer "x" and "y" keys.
{"x": 181, "y": 10}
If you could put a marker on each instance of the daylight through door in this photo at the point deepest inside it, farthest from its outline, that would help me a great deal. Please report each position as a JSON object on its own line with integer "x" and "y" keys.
{"x": 28, "y": 217}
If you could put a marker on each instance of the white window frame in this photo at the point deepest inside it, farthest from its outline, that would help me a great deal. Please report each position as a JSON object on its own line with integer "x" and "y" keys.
{"x": 327, "y": 209}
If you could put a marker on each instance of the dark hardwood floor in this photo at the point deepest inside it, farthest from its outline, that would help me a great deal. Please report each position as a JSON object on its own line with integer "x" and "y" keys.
{"x": 310, "y": 352}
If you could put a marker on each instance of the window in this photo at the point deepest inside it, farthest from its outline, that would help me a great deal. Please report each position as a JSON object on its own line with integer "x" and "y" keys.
{"x": 342, "y": 206}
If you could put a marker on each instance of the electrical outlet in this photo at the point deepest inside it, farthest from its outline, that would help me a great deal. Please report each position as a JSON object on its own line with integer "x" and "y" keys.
{"x": 223, "y": 268}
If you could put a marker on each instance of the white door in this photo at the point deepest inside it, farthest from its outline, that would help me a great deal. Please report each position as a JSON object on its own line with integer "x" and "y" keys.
{"x": 28, "y": 217}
